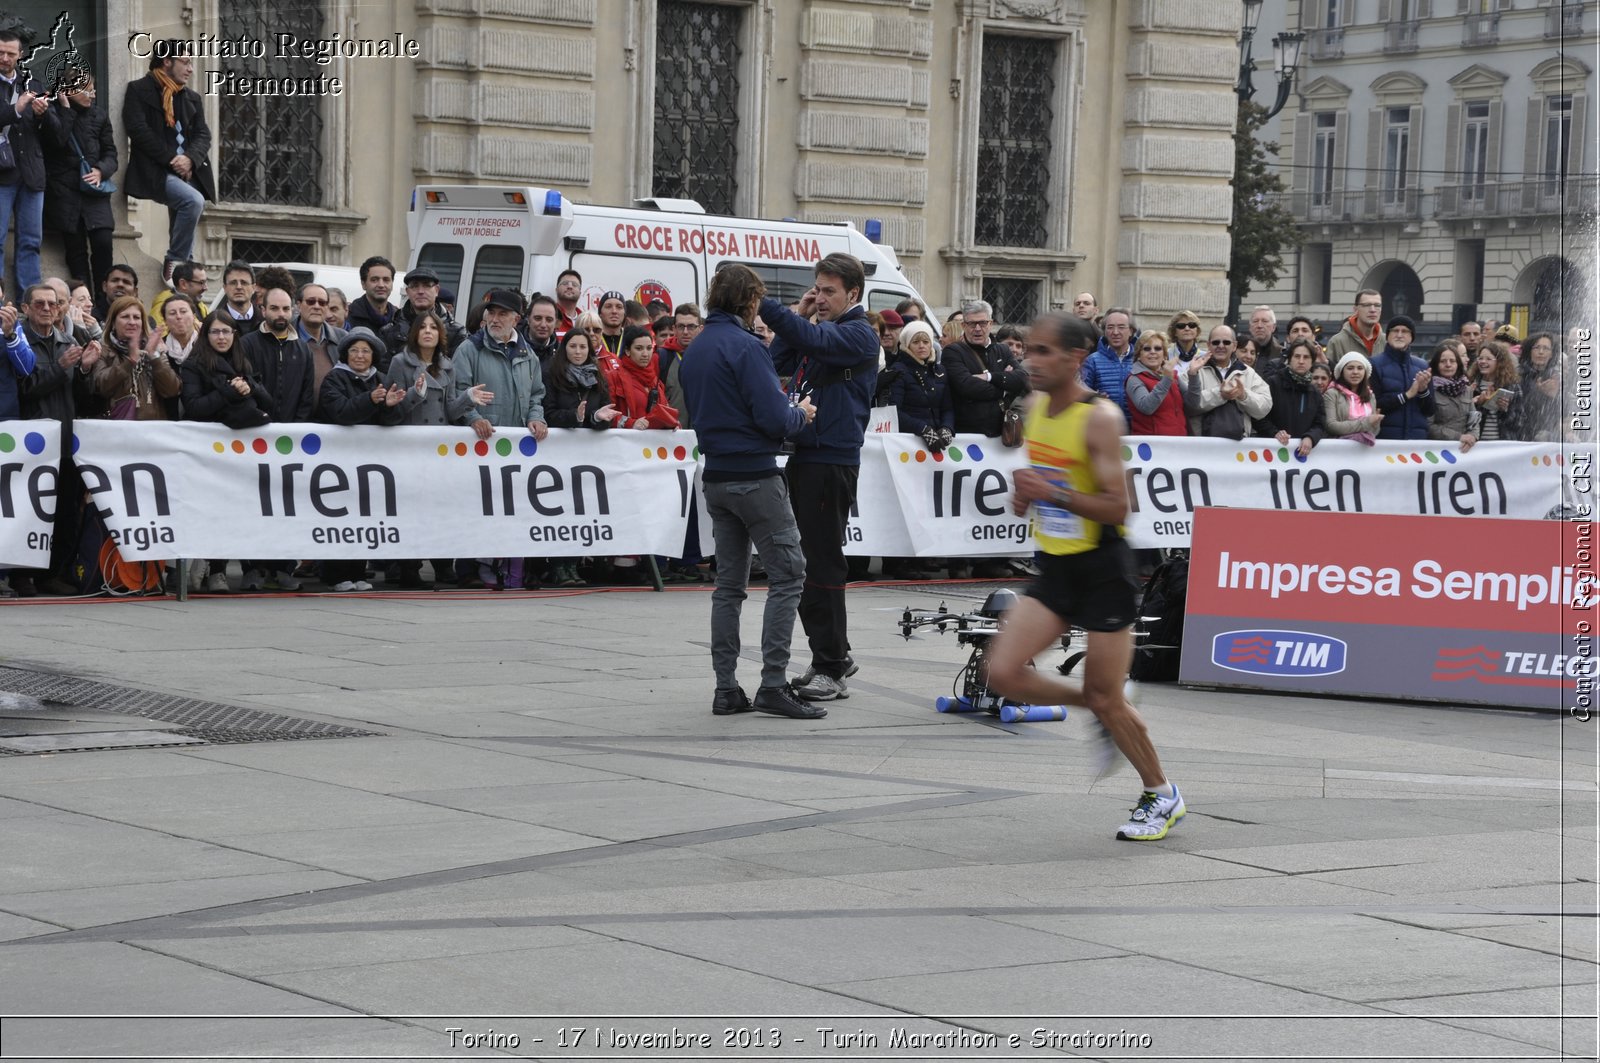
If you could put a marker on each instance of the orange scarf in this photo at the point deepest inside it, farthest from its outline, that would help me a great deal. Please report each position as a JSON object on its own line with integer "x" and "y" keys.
{"x": 169, "y": 92}
{"x": 1368, "y": 342}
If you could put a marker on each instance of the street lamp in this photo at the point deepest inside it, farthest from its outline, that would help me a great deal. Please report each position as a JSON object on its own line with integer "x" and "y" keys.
{"x": 1285, "y": 58}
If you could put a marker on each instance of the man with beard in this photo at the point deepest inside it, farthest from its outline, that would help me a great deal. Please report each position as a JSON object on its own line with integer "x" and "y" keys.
{"x": 283, "y": 365}
{"x": 569, "y": 285}
{"x": 498, "y": 358}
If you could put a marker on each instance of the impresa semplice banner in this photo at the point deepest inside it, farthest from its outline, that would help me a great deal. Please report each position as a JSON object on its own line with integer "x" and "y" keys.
{"x": 189, "y": 489}
{"x": 1491, "y": 612}
{"x": 30, "y": 459}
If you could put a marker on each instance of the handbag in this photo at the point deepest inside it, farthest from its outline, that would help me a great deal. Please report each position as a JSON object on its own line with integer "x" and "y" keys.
{"x": 106, "y": 185}
{"x": 1011, "y": 423}
{"x": 8, "y": 155}
{"x": 125, "y": 409}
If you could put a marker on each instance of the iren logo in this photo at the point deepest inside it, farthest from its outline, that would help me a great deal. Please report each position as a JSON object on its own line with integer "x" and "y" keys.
{"x": 1293, "y": 654}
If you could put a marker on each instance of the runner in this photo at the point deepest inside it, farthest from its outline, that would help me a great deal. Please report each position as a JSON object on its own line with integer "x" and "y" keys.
{"x": 1079, "y": 500}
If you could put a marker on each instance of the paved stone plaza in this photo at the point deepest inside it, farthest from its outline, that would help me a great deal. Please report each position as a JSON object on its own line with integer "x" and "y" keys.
{"x": 522, "y": 806}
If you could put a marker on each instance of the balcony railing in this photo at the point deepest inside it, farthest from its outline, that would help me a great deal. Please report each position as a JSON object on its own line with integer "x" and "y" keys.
{"x": 1400, "y": 37}
{"x": 1480, "y": 31}
{"x": 1564, "y": 19}
{"x": 1327, "y": 43}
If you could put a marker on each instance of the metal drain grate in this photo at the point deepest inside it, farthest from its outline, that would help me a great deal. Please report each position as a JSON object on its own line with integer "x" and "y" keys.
{"x": 209, "y": 721}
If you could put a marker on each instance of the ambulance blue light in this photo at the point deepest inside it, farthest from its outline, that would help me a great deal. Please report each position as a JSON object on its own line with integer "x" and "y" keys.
{"x": 875, "y": 230}
{"x": 552, "y": 202}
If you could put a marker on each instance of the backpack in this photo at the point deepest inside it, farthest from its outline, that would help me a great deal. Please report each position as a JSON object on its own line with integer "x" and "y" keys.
{"x": 1158, "y": 633}
{"x": 886, "y": 379}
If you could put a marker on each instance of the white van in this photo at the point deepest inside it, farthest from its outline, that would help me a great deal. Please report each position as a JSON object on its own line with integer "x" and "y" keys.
{"x": 478, "y": 237}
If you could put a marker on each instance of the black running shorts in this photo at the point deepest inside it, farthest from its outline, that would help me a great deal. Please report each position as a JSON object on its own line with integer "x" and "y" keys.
{"x": 1094, "y": 590}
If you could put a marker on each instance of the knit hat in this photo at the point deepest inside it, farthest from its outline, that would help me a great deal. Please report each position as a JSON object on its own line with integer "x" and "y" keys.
{"x": 361, "y": 332}
{"x": 1400, "y": 320}
{"x": 1353, "y": 356}
{"x": 915, "y": 329}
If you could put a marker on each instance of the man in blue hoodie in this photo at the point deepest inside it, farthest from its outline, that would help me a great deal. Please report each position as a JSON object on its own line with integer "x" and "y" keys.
{"x": 741, "y": 418}
{"x": 834, "y": 362}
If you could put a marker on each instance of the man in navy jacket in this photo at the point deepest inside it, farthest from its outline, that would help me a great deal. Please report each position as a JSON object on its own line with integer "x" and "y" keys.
{"x": 741, "y": 418}
{"x": 1402, "y": 384}
{"x": 834, "y": 362}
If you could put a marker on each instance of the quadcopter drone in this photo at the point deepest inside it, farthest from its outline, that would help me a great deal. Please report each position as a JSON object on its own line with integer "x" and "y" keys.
{"x": 971, "y": 692}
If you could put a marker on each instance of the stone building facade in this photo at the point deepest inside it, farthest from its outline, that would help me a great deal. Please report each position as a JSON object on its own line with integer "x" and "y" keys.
{"x": 1019, "y": 149}
{"x": 1443, "y": 152}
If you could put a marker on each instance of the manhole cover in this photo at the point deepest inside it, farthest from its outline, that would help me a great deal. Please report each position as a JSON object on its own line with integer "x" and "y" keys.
{"x": 82, "y": 740}
{"x": 196, "y": 721}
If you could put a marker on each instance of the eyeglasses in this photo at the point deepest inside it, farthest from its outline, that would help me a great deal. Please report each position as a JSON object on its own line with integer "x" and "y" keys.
{"x": 1187, "y": 324}
{"x": 315, "y": 302}
{"x": 969, "y": 323}
{"x": 1370, "y": 306}
{"x": 1221, "y": 343}
{"x": 220, "y": 332}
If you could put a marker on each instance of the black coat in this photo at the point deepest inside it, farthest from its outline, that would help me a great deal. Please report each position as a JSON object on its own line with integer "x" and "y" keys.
{"x": 920, "y": 393}
{"x": 1296, "y": 409}
{"x": 561, "y": 400}
{"x": 211, "y": 396}
{"x": 980, "y": 404}
{"x": 347, "y": 399}
{"x": 398, "y": 330}
{"x": 65, "y": 204}
{"x": 152, "y": 145}
{"x": 284, "y": 368}
{"x": 26, "y": 132}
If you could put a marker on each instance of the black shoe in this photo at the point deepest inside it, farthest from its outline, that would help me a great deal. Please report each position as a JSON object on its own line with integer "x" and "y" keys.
{"x": 23, "y": 585}
{"x": 850, "y": 666}
{"x": 783, "y": 701}
{"x": 58, "y": 588}
{"x": 730, "y": 700}
{"x": 415, "y": 583}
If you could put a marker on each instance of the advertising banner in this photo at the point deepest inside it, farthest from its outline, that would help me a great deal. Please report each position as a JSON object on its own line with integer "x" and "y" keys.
{"x": 1469, "y": 611}
{"x": 30, "y": 457}
{"x": 314, "y": 492}
{"x": 1169, "y": 477}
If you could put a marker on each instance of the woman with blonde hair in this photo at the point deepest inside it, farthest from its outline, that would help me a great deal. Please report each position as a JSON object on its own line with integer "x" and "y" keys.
{"x": 1184, "y": 330}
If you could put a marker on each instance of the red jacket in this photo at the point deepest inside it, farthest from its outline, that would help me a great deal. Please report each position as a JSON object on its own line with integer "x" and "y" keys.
{"x": 1169, "y": 418}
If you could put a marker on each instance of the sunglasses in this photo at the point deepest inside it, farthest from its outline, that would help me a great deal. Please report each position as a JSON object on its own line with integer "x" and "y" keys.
{"x": 1187, "y": 324}
{"x": 1222, "y": 343}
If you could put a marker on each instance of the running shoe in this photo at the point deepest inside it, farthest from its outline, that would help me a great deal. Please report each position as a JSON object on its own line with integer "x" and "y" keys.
{"x": 1152, "y": 817}
{"x": 344, "y": 586}
{"x": 820, "y": 687}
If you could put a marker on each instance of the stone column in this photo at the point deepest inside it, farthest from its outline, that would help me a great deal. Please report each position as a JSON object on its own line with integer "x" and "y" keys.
{"x": 1177, "y": 158}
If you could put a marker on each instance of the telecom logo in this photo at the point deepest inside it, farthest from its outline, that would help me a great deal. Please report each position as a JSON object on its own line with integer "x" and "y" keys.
{"x": 1289, "y": 654}
{"x": 1480, "y": 664}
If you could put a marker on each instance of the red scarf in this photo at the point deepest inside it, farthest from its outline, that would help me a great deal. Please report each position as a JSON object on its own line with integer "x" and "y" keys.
{"x": 633, "y": 396}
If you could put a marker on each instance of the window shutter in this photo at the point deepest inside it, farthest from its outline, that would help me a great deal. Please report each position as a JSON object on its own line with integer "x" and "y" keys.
{"x": 1462, "y": 6}
{"x": 1414, "y": 184}
{"x": 1374, "y": 158}
{"x": 1303, "y": 132}
{"x": 1424, "y": 8}
{"x": 1496, "y": 121}
{"x": 1384, "y": 15}
{"x": 1347, "y": 12}
{"x": 1341, "y": 156}
{"x": 1575, "y": 144}
{"x": 1530, "y": 154}
{"x": 1455, "y": 172}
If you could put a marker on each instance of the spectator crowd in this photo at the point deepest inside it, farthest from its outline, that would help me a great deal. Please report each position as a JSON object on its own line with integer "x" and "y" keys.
{"x": 271, "y": 350}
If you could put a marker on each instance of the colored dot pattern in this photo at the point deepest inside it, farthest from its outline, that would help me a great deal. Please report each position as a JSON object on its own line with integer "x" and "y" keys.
{"x": 311, "y": 443}
{"x": 954, "y": 454}
{"x": 8, "y": 443}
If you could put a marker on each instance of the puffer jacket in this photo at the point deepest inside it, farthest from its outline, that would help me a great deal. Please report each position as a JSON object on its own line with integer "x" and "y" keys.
{"x": 921, "y": 394}
{"x": 1104, "y": 372}
{"x": 1403, "y": 418}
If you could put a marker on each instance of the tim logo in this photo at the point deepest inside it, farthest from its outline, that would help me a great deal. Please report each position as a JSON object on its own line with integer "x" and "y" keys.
{"x": 1293, "y": 654}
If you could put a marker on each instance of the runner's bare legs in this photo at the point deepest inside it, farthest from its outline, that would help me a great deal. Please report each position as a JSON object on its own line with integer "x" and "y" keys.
{"x": 1027, "y": 630}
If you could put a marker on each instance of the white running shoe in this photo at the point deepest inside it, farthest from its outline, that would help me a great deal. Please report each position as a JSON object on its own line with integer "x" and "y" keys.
{"x": 1152, "y": 817}
{"x": 252, "y": 580}
{"x": 363, "y": 585}
{"x": 217, "y": 584}
{"x": 285, "y": 581}
{"x": 344, "y": 587}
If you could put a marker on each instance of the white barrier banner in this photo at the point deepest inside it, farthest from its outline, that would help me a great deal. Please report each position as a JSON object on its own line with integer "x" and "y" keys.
{"x": 30, "y": 460}
{"x": 313, "y": 492}
{"x": 957, "y": 502}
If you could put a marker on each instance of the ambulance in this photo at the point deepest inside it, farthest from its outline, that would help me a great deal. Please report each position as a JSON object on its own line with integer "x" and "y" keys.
{"x": 478, "y": 237}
